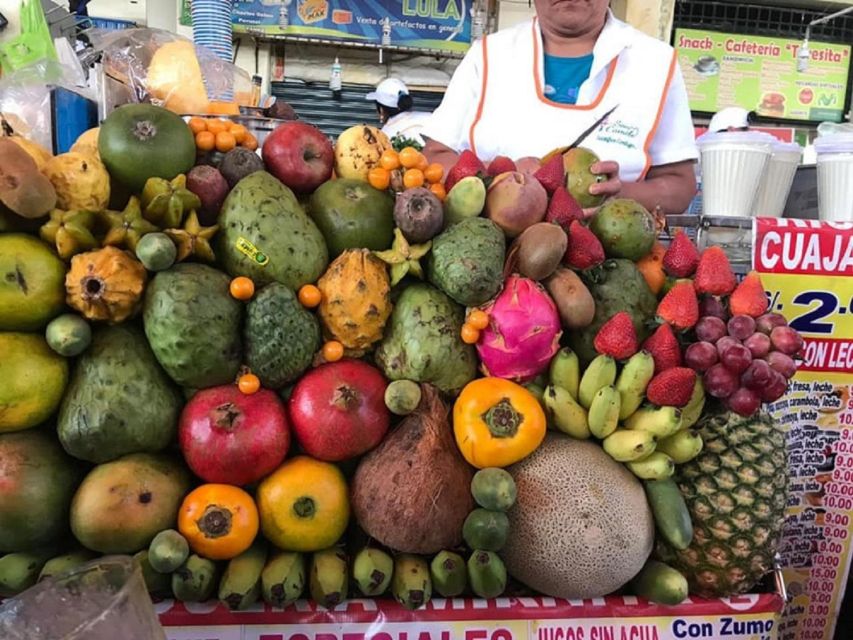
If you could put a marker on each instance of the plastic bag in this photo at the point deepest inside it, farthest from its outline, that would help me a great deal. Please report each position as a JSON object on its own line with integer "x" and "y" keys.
{"x": 25, "y": 97}
{"x": 35, "y": 42}
{"x": 170, "y": 71}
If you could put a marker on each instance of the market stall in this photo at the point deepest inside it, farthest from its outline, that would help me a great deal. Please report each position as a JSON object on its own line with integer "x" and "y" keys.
{"x": 314, "y": 388}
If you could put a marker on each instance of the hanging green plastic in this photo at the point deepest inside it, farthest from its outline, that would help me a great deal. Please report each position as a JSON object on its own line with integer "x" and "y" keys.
{"x": 35, "y": 42}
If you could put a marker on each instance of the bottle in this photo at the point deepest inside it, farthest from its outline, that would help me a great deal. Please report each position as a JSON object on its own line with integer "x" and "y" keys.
{"x": 386, "y": 31}
{"x": 478, "y": 22}
{"x": 335, "y": 80}
{"x": 256, "y": 90}
{"x": 284, "y": 14}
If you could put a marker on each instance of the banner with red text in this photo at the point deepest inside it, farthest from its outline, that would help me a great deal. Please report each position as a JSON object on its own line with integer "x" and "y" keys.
{"x": 748, "y": 617}
{"x": 806, "y": 267}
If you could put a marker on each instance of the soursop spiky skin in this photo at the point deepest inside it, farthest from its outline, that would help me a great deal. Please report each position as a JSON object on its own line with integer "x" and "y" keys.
{"x": 356, "y": 300}
{"x": 617, "y": 285}
{"x": 467, "y": 261}
{"x": 280, "y": 335}
{"x": 736, "y": 491}
{"x": 423, "y": 343}
{"x": 119, "y": 400}
{"x": 193, "y": 325}
{"x": 261, "y": 212}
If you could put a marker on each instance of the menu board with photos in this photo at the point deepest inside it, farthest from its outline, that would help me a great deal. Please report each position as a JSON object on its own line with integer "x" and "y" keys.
{"x": 758, "y": 73}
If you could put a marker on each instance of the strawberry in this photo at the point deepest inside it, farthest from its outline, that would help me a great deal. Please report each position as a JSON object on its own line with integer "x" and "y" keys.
{"x": 563, "y": 209}
{"x": 681, "y": 257}
{"x": 617, "y": 337}
{"x": 500, "y": 165}
{"x": 467, "y": 165}
{"x": 664, "y": 348}
{"x": 749, "y": 297}
{"x": 672, "y": 388}
{"x": 680, "y": 307}
{"x": 552, "y": 174}
{"x": 714, "y": 274}
{"x": 584, "y": 249}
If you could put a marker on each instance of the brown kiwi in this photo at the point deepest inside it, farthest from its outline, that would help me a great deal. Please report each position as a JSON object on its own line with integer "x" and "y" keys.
{"x": 23, "y": 189}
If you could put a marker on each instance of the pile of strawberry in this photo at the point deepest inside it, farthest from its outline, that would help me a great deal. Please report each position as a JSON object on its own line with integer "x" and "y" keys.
{"x": 710, "y": 326}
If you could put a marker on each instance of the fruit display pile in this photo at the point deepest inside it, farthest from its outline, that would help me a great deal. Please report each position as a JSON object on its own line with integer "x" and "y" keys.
{"x": 325, "y": 370}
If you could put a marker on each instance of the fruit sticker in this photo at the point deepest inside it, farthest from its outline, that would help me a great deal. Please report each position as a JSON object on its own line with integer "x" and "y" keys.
{"x": 251, "y": 251}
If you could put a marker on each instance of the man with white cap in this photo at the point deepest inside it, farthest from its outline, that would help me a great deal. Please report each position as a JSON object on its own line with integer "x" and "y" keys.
{"x": 730, "y": 119}
{"x": 394, "y": 104}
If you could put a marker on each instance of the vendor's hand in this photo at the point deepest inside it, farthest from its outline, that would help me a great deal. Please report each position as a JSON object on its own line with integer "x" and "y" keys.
{"x": 607, "y": 188}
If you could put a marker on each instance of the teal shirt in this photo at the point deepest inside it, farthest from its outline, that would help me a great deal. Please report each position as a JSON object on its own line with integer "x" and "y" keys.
{"x": 564, "y": 77}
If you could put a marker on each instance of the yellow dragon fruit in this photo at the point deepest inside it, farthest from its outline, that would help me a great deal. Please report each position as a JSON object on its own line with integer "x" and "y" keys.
{"x": 356, "y": 300}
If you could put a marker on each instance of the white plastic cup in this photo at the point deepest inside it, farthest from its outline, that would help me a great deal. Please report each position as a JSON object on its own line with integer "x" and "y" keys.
{"x": 778, "y": 179}
{"x": 835, "y": 177}
{"x": 733, "y": 164}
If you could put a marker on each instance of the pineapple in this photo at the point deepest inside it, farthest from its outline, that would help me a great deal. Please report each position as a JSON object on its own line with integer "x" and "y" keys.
{"x": 356, "y": 300}
{"x": 736, "y": 491}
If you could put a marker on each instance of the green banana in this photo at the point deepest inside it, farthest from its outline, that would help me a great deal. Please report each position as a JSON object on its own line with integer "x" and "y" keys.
{"x": 20, "y": 571}
{"x": 372, "y": 570}
{"x": 633, "y": 380}
{"x": 604, "y": 411}
{"x": 655, "y": 466}
{"x": 65, "y": 562}
{"x": 329, "y": 579}
{"x": 411, "y": 585}
{"x": 658, "y": 582}
{"x": 195, "y": 579}
{"x": 661, "y": 422}
{"x": 623, "y": 445}
{"x": 682, "y": 446}
{"x": 565, "y": 413}
{"x": 670, "y": 511}
{"x": 157, "y": 583}
{"x": 283, "y": 578}
{"x": 565, "y": 371}
{"x": 240, "y": 587}
{"x": 486, "y": 574}
{"x": 449, "y": 574}
{"x": 692, "y": 411}
{"x": 168, "y": 551}
{"x": 601, "y": 372}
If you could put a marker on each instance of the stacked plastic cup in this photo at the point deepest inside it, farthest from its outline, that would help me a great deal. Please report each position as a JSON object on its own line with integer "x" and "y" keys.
{"x": 835, "y": 177}
{"x": 778, "y": 179}
{"x": 733, "y": 164}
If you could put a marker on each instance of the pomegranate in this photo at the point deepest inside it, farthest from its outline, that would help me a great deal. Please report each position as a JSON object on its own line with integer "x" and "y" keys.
{"x": 229, "y": 437}
{"x": 338, "y": 410}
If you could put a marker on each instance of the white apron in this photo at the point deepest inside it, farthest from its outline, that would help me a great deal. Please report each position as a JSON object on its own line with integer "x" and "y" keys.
{"x": 515, "y": 118}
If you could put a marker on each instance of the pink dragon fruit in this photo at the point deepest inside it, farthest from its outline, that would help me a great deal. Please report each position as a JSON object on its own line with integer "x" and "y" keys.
{"x": 523, "y": 333}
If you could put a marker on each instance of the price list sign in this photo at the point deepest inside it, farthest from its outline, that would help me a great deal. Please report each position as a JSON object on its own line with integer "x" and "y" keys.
{"x": 807, "y": 270}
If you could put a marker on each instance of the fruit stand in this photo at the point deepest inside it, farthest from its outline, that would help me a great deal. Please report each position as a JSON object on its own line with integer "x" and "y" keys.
{"x": 327, "y": 390}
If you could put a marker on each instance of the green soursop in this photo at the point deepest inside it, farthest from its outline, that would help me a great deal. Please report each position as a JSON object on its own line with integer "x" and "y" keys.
{"x": 119, "y": 400}
{"x": 193, "y": 325}
{"x": 467, "y": 261}
{"x": 266, "y": 235}
{"x": 281, "y": 336}
{"x": 615, "y": 286}
{"x": 422, "y": 341}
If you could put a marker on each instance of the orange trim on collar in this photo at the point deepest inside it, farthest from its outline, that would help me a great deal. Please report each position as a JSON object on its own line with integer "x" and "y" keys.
{"x": 658, "y": 117}
{"x": 482, "y": 103}
{"x": 577, "y": 107}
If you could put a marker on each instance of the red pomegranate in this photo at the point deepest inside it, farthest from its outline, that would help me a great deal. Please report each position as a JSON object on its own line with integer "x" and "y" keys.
{"x": 233, "y": 438}
{"x": 338, "y": 410}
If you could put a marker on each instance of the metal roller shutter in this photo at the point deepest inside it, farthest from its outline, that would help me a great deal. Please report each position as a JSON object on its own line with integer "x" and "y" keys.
{"x": 314, "y": 103}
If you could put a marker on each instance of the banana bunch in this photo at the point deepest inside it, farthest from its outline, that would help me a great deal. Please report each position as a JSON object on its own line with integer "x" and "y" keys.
{"x": 607, "y": 403}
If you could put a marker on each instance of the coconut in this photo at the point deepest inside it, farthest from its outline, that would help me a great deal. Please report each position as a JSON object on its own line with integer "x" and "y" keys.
{"x": 581, "y": 526}
{"x": 412, "y": 493}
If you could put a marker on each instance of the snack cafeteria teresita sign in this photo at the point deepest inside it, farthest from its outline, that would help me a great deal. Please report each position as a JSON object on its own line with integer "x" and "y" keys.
{"x": 757, "y": 73}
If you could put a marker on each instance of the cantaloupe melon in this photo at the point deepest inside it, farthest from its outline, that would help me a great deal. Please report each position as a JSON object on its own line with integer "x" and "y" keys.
{"x": 581, "y": 526}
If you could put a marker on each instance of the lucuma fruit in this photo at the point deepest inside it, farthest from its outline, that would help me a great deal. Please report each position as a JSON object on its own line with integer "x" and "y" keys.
{"x": 266, "y": 236}
{"x": 281, "y": 336}
{"x": 119, "y": 400}
{"x": 193, "y": 325}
